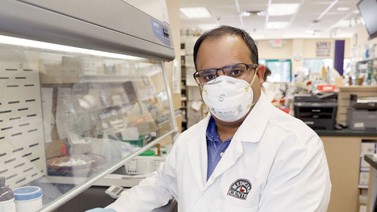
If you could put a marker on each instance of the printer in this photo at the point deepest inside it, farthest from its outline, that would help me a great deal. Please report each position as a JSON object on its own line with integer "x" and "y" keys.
{"x": 362, "y": 113}
{"x": 317, "y": 111}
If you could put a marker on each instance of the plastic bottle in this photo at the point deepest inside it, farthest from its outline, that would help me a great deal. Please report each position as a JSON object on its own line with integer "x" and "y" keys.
{"x": 328, "y": 80}
{"x": 6, "y": 197}
{"x": 324, "y": 74}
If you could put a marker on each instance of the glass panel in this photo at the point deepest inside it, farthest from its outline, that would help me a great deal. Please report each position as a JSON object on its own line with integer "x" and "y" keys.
{"x": 67, "y": 117}
{"x": 281, "y": 70}
{"x": 315, "y": 65}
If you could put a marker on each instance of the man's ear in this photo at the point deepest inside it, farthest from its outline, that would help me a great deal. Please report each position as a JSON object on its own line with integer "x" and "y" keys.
{"x": 261, "y": 69}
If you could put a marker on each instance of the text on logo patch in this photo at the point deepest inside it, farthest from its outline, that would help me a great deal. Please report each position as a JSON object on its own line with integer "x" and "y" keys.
{"x": 240, "y": 189}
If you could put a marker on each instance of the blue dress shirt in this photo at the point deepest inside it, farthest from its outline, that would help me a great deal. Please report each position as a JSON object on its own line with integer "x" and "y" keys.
{"x": 215, "y": 148}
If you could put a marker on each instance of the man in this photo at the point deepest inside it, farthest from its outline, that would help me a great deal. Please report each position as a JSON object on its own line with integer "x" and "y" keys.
{"x": 246, "y": 155}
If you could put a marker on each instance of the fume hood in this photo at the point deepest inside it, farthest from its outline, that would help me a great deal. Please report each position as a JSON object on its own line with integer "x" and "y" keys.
{"x": 83, "y": 89}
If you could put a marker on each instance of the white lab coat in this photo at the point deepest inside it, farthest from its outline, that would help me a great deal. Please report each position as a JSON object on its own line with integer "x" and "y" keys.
{"x": 282, "y": 159}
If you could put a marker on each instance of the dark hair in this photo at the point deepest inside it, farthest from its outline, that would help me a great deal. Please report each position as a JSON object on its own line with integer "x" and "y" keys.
{"x": 267, "y": 73}
{"x": 228, "y": 30}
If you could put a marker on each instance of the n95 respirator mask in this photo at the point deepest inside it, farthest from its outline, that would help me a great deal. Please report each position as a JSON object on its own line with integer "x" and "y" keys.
{"x": 228, "y": 99}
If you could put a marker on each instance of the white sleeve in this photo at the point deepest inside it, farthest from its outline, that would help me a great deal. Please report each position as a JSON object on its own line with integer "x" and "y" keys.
{"x": 152, "y": 192}
{"x": 299, "y": 179}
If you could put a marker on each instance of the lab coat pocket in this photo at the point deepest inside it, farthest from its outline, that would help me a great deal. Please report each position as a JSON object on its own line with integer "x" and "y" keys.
{"x": 223, "y": 206}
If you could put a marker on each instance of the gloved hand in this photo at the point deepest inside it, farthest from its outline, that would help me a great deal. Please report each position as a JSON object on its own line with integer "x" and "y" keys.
{"x": 101, "y": 210}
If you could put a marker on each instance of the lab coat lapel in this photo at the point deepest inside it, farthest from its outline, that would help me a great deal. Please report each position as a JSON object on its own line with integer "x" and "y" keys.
{"x": 234, "y": 151}
{"x": 198, "y": 153}
{"x": 250, "y": 131}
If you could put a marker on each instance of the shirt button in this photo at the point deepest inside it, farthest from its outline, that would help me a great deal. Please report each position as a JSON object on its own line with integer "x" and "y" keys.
{"x": 221, "y": 154}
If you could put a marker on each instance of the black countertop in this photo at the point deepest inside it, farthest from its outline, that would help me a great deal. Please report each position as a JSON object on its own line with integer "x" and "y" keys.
{"x": 95, "y": 197}
{"x": 347, "y": 132}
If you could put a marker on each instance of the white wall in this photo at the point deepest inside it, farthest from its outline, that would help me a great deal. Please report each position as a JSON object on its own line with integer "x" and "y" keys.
{"x": 298, "y": 48}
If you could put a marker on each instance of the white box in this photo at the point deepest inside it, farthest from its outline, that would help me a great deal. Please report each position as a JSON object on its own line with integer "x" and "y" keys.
{"x": 363, "y": 208}
{"x": 364, "y": 166}
{"x": 363, "y": 197}
{"x": 368, "y": 148}
{"x": 363, "y": 178}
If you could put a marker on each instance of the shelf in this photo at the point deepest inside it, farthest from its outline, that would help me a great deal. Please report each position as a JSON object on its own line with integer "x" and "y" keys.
{"x": 109, "y": 78}
{"x": 366, "y": 60}
{"x": 363, "y": 186}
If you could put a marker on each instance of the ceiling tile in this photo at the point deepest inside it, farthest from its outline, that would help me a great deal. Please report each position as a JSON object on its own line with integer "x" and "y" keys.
{"x": 226, "y": 12}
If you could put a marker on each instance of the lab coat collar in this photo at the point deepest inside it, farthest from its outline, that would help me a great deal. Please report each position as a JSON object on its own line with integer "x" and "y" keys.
{"x": 252, "y": 128}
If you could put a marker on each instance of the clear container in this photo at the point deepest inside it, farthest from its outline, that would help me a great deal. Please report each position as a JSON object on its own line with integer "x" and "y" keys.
{"x": 6, "y": 197}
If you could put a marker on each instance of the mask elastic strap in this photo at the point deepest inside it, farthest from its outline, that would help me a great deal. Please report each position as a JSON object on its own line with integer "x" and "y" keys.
{"x": 201, "y": 88}
{"x": 252, "y": 81}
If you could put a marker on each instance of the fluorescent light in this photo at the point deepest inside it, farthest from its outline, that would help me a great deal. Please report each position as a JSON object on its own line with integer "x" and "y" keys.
{"x": 309, "y": 31}
{"x": 195, "y": 12}
{"x": 277, "y": 25}
{"x": 58, "y": 47}
{"x": 343, "y": 8}
{"x": 262, "y": 13}
{"x": 249, "y": 13}
{"x": 245, "y": 14}
{"x": 282, "y": 9}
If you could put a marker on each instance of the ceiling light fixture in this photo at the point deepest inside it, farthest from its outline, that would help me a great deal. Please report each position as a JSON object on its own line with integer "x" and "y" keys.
{"x": 245, "y": 14}
{"x": 343, "y": 9}
{"x": 282, "y": 9}
{"x": 277, "y": 25}
{"x": 195, "y": 12}
{"x": 253, "y": 12}
{"x": 310, "y": 31}
{"x": 262, "y": 13}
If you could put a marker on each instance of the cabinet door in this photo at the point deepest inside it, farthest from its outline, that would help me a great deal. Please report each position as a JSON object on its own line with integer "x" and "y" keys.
{"x": 343, "y": 157}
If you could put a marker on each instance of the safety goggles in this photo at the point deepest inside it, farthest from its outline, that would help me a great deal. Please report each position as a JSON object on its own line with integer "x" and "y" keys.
{"x": 239, "y": 70}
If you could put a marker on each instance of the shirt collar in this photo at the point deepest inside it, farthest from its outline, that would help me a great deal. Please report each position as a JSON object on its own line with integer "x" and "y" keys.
{"x": 212, "y": 134}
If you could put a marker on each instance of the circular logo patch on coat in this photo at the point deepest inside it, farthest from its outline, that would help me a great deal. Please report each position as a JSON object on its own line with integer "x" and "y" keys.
{"x": 240, "y": 189}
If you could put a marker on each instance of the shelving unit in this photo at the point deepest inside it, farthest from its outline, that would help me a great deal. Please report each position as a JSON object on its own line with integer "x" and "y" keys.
{"x": 193, "y": 109}
{"x": 183, "y": 88}
{"x": 368, "y": 147}
{"x": 367, "y": 70}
